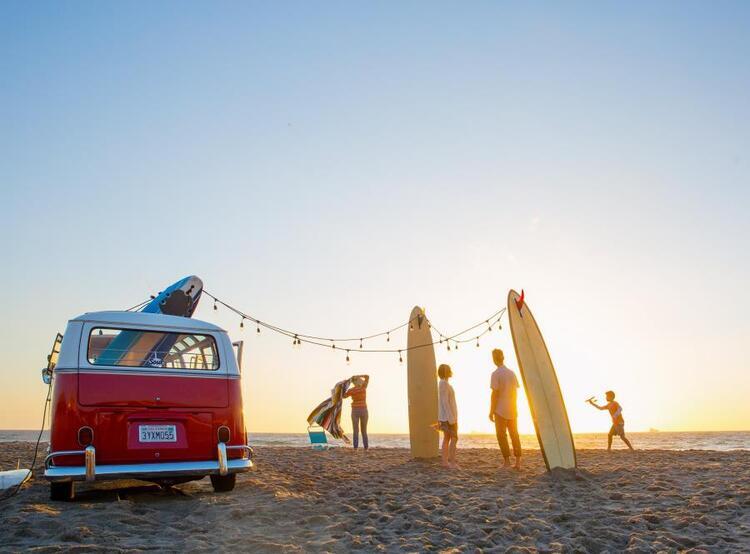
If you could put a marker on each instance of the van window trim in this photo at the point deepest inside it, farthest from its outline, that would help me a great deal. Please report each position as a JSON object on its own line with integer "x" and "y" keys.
{"x": 93, "y": 326}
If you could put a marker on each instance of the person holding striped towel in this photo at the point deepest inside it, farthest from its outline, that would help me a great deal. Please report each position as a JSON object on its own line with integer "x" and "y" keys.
{"x": 360, "y": 415}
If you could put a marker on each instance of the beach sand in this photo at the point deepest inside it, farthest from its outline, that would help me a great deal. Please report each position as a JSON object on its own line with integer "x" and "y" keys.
{"x": 341, "y": 500}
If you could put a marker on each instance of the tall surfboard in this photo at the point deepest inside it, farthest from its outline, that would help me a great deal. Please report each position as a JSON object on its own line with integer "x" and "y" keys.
{"x": 423, "y": 392}
{"x": 541, "y": 385}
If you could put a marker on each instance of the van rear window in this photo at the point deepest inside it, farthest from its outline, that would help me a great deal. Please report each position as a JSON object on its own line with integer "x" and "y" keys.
{"x": 157, "y": 349}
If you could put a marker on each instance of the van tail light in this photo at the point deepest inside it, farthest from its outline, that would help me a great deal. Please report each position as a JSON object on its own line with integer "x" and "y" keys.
{"x": 224, "y": 434}
{"x": 85, "y": 436}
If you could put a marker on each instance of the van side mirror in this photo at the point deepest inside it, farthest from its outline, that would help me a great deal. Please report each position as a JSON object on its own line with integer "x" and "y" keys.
{"x": 52, "y": 360}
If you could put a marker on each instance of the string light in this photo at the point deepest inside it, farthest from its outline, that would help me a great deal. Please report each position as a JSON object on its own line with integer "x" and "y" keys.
{"x": 321, "y": 341}
{"x": 347, "y": 357}
{"x": 400, "y": 359}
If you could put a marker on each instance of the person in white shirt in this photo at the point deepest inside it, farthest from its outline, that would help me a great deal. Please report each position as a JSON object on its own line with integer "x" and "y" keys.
{"x": 447, "y": 416}
{"x": 503, "y": 410}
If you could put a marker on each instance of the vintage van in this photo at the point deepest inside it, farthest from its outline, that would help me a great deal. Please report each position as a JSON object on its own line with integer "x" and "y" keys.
{"x": 145, "y": 396}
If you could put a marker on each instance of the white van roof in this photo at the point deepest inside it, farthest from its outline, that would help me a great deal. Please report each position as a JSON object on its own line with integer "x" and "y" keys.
{"x": 170, "y": 322}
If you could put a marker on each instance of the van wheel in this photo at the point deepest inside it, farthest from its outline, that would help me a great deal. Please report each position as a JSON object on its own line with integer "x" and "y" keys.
{"x": 63, "y": 492}
{"x": 223, "y": 483}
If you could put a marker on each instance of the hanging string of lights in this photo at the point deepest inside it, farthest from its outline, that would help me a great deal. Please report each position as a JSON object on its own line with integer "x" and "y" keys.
{"x": 298, "y": 338}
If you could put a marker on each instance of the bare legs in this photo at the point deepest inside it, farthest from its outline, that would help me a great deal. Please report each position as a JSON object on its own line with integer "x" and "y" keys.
{"x": 449, "y": 450}
{"x": 611, "y": 435}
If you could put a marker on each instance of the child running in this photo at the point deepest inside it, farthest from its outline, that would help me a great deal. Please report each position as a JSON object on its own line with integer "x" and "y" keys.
{"x": 618, "y": 422}
{"x": 447, "y": 416}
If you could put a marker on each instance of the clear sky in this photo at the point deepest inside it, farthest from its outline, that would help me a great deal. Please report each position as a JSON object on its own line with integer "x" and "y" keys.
{"x": 327, "y": 166}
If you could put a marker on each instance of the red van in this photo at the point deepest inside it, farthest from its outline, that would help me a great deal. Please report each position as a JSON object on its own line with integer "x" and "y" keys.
{"x": 145, "y": 396}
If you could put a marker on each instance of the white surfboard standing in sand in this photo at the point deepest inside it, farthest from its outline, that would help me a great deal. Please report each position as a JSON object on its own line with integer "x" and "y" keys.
{"x": 541, "y": 386}
{"x": 422, "y": 383}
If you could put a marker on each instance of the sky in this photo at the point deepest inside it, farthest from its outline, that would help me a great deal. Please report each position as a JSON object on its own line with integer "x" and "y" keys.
{"x": 328, "y": 166}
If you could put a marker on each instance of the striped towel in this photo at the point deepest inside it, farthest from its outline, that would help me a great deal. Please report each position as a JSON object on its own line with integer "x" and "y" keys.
{"x": 328, "y": 413}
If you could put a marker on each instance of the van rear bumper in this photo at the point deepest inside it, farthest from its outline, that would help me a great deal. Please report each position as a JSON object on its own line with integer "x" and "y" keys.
{"x": 163, "y": 470}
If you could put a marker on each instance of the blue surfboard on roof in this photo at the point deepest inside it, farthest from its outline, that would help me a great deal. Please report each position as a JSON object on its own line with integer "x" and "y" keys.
{"x": 180, "y": 299}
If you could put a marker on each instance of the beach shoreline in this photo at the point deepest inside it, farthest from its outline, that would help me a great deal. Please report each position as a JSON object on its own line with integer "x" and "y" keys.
{"x": 301, "y": 500}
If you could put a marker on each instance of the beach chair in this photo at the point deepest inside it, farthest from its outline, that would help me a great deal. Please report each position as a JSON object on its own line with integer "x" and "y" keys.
{"x": 318, "y": 439}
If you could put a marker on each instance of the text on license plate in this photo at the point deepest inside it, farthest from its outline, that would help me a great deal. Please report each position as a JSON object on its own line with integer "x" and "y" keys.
{"x": 157, "y": 433}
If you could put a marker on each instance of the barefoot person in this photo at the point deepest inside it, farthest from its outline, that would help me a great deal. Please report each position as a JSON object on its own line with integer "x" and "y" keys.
{"x": 618, "y": 422}
{"x": 503, "y": 408}
{"x": 360, "y": 415}
{"x": 447, "y": 416}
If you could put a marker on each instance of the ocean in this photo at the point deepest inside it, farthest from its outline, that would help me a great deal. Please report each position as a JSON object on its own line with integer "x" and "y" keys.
{"x": 718, "y": 440}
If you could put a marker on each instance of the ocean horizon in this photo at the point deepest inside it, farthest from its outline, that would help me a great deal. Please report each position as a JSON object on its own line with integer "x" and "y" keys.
{"x": 652, "y": 440}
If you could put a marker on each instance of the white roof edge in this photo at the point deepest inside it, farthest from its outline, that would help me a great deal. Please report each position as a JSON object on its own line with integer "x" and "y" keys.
{"x": 140, "y": 318}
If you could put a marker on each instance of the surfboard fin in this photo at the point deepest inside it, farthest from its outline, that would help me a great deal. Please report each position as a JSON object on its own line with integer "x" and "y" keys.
{"x": 519, "y": 302}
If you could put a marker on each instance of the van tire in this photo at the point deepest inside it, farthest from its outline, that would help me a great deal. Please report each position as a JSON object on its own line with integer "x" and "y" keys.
{"x": 63, "y": 492}
{"x": 223, "y": 483}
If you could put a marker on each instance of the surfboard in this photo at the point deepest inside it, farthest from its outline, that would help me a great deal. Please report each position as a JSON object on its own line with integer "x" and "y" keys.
{"x": 541, "y": 386}
{"x": 13, "y": 478}
{"x": 180, "y": 299}
{"x": 423, "y": 392}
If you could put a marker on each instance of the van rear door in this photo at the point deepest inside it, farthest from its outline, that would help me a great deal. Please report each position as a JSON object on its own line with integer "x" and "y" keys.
{"x": 136, "y": 368}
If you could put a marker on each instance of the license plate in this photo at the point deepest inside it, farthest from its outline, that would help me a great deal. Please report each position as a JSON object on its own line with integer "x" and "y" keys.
{"x": 157, "y": 433}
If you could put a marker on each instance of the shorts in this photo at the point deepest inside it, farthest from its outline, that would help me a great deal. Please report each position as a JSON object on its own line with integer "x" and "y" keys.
{"x": 617, "y": 429}
{"x": 450, "y": 429}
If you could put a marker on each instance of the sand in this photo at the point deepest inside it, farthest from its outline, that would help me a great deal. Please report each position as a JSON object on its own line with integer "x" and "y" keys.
{"x": 339, "y": 501}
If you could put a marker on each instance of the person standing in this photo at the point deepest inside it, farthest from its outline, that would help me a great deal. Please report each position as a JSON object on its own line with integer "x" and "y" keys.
{"x": 447, "y": 416}
{"x": 360, "y": 415}
{"x": 503, "y": 410}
